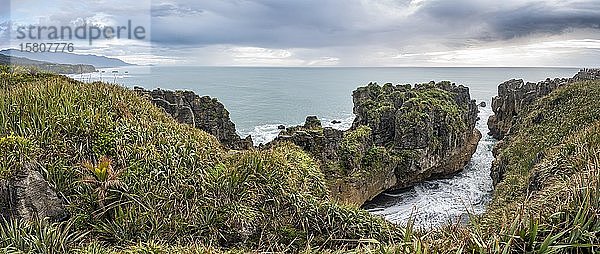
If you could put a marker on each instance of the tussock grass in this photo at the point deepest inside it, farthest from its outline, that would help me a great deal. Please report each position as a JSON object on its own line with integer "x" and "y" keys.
{"x": 135, "y": 181}
{"x": 177, "y": 185}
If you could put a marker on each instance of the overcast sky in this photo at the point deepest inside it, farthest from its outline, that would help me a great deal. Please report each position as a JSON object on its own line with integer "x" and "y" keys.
{"x": 333, "y": 32}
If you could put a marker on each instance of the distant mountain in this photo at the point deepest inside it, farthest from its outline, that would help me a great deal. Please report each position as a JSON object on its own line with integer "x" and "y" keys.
{"x": 46, "y": 66}
{"x": 68, "y": 58}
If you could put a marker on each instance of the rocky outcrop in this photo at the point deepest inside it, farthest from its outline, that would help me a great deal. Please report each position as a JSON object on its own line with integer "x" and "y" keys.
{"x": 26, "y": 195}
{"x": 513, "y": 100}
{"x": 204, "y": 113}
{"x": 514, "y": 96}
{"x": 587, "y": 74}
{"x": 431, "y": 127}
{"x": 401, "y": 136}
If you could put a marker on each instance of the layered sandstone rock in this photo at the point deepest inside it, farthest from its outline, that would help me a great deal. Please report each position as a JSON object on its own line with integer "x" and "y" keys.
{"x": 513, "y": 101}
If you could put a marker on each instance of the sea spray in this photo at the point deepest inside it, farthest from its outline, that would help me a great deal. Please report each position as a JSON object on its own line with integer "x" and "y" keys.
{"x": 436, "y": 202}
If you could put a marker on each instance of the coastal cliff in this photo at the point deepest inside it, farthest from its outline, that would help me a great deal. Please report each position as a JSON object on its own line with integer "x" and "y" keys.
{"x": 515, "y": 96}
{"x": 124, "y": 176}
{"x": 116, "y": 169}
{"x": 547, "y": 168}
{"x": 204, "y": 113}
{"x": 515, "y": 100}
{"x": 401, "y": 136}
{"x": 39, "y": 66}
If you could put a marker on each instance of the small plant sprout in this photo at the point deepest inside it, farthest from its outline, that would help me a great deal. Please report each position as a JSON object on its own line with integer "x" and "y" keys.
{"x": 103, "y": 178}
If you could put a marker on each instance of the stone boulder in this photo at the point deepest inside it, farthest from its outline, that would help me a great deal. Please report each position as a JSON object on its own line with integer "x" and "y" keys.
{"x": 27, "y": 195}
{"x": 204, "y": 113}
{"x": 322, "y": 143}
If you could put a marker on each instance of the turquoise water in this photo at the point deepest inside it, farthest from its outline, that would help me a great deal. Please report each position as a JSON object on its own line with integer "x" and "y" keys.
{"x": 260, "y": 99}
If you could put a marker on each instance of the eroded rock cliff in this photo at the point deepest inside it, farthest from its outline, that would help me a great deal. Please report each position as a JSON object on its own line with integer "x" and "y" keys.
{"x": 401, "y": 135}
{"x": 204, "y": 113}
{"x": 515, "y": 96}
{"x": 516, "y": 100}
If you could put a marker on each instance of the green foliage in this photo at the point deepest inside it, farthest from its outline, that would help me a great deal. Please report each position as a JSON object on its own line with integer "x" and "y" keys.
{"x": 166, "y": 182}
{"x": 550, "y": 190}
{"x": 18, "y": 236}
{"x": 551, "y": 122}
{"x": 15, "y": 150}
{"x": 354, "y": 146}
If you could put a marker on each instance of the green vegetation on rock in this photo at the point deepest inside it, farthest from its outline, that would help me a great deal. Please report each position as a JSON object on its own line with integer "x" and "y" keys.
{"x": 135, "y": 181}
{"x": 354, "y": 146}
{"x": 170, "y": 184}
{"x": 549, "y": 169}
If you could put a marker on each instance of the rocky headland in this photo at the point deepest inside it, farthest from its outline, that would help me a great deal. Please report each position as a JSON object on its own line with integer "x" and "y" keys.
{"x": 515, "y": 96}
{"x": 514, "y": 101}
{"x": 39, "y": 66}
{"x": 401, "y": 135}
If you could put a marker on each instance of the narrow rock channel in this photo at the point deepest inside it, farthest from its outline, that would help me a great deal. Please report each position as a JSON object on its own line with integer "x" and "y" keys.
{"x": 436, "y": 202}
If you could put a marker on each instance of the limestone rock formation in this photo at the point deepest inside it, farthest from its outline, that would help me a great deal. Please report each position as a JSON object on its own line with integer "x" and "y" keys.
{"x": 204, "y": 113}
{"x": 431, "y": 126}
{"x": 401, "y": 135}
{"x": 513, "y": 100}
{"x": 514, "y": 96}
{"x": 26, "y": 195}
{"x": 322, "y": 143}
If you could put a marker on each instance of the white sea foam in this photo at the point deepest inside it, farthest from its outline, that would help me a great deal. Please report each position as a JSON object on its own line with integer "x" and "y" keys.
{"x": 266, "y": 133}
{"x": 436, "y": 202}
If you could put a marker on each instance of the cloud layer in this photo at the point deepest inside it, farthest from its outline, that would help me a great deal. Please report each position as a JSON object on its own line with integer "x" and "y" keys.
{"x": 360, "y": 32}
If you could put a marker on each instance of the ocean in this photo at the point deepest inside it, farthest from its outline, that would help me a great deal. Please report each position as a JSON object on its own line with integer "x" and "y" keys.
{"x": 261, "y": 98}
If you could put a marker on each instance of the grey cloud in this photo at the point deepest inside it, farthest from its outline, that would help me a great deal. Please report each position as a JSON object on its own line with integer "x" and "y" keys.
{"x": 543, "y": 18}
{"x": 5, "y": 31}
{"x": 5, "y": 10}
{"x": 268, "y": 23}
{"x": 342, "y": 28}
{"x": 327, "y": 23}
{"x": 171, "y": 9}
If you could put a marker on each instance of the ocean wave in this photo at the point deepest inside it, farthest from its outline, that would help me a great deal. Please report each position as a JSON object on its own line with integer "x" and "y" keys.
{"x": 266, "y": 133}
{"x": 437, "y": 202}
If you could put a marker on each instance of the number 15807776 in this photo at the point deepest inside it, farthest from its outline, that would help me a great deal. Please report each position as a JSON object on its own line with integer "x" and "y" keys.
{"x": 47, "y": 47}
